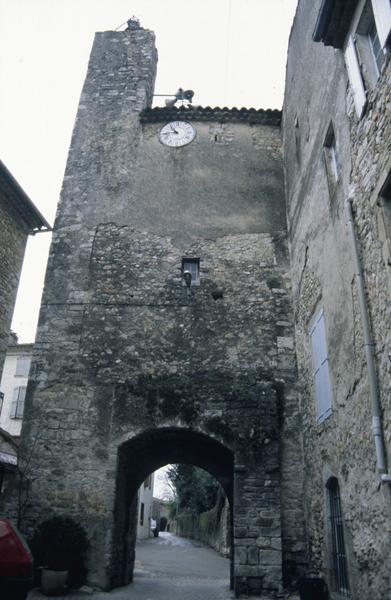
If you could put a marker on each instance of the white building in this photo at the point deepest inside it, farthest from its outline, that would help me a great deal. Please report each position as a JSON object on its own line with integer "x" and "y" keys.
{"x": 145, "y": 499}
{"x": 13, "y": 387}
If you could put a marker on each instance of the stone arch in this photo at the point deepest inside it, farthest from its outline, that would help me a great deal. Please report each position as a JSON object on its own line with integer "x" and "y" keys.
{"x": 140, "y": 456}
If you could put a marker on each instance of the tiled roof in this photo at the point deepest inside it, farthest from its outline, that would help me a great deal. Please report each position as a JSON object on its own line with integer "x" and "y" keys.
{"x": 15, "y": 197}
{"x": 221, "y": 115}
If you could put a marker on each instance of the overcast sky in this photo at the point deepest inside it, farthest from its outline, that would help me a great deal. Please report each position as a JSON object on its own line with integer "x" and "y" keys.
{"x": 230, "y": 52}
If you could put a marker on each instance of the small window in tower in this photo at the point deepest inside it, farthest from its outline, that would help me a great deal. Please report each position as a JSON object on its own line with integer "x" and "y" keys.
{"x": 142, "y": 513}
{"x": 385, "y": 203}
{"x": 331, "y": 159}
{"x": 192, "y": 266}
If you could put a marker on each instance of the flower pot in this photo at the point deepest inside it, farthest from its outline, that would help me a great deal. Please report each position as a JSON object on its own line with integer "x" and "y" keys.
{"x": 53, "y": 582}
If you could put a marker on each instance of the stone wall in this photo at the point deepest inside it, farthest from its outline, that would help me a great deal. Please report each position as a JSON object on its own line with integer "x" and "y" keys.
{"x": 13, "y": 234}
{"x": 323, "y": 276}
{"x": 212, "y": 527}
{"x": 131, "y": 371}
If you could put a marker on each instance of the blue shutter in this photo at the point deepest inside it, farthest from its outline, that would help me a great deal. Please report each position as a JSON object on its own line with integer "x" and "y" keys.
{"x": 321, "y": 369}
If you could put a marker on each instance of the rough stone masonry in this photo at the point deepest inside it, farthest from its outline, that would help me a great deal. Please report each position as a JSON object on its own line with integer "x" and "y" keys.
{"x": 131, "y": 370}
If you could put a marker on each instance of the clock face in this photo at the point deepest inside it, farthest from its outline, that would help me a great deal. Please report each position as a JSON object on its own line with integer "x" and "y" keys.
{"x": 177, "y": 133}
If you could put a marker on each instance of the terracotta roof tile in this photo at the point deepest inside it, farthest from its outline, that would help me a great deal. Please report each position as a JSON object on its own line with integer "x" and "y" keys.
{"x": 207, "y": 113}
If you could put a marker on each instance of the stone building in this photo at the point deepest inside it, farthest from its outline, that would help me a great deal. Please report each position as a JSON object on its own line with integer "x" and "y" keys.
{"x": 18, "y": 218}
{"x": 337, "y": 138}
{"x": 134, "y": 365}
{"x": 145, "y": 505}
{"x": 171, "y": 309}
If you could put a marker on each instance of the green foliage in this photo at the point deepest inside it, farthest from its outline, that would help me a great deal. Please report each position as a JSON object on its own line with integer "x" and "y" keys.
{"x": 60, "y": 543}
{"x": 196, "y": 490}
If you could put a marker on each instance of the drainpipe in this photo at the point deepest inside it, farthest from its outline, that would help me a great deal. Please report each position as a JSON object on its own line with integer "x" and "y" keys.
{"x": 369, "y": 352}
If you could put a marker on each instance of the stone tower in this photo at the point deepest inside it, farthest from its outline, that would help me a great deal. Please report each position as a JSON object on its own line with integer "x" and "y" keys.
{"x": 134, "y": 369}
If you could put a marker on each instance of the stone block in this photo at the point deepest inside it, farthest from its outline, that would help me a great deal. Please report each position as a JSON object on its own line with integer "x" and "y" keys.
{"x": 252, "y": 555}
{"x": 269, "y": 557}
{"x": 241, "y": 555}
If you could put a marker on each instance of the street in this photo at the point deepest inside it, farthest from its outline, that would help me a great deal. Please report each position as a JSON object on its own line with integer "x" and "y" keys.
{"x": 168, "y": 568}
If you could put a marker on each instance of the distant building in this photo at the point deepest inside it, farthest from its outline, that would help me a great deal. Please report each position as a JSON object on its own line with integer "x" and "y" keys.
{"x": 18, "y": 218}
{"x": 13, "y": 386}
{"x": 145, "y": 499}
{"x": 161, "y": 513}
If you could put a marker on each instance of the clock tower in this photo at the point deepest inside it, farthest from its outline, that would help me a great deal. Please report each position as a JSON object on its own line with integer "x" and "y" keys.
{"x": 165, "y": 332}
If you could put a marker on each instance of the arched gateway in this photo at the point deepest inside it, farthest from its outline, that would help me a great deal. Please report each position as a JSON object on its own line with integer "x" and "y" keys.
{"x": 135, "y": 364}
{"x": 145, "y": 453}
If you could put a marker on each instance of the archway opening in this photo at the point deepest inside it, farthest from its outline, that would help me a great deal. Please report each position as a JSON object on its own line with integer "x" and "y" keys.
{"x": 137, "y": 459}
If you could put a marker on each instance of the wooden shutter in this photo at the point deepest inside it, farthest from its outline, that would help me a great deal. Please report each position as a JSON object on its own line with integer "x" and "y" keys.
{"x": 20, "y": 404}
{"x": 321, "y": 369}
{"x": 382, "y": 14}
{"x": 355, "y": 77}
{"x": 22, "y": 366}
{"x": 14, "y": 403}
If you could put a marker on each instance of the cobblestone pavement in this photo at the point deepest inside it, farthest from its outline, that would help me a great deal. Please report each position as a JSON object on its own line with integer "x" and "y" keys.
{"x": 168, "y": 568}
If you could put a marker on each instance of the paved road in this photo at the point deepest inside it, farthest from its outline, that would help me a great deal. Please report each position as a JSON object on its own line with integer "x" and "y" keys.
{"x": 169, "y": 568}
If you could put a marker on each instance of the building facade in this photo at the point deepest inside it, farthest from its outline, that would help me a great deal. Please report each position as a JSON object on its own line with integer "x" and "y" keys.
{"x": 18, "y": 218}
{"x": 135, "y": 364}
{"x": 145, "y": 506}
{"x": 13, "y": 387}
{"x": 337, "y": 137}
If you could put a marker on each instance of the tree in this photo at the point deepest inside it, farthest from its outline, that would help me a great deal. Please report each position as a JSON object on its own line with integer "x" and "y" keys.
{"x": 196, "y": 490}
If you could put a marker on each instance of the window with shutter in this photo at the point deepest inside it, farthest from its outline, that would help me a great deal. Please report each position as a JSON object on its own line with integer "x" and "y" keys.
{"x": 382, "y": 14}
{"x": 355, "y": 77}
{"x": 17, "y": 405}
{"x": 22, "y": 366}
{"x": 321, "y": 369}
{"x": 366, "y": 48}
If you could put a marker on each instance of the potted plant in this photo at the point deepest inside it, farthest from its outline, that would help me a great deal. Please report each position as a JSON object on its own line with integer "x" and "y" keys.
{"x": 59, "y": 547}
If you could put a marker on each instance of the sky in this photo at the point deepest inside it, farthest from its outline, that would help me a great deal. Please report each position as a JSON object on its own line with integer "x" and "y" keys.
{"x": 230, "y": 52}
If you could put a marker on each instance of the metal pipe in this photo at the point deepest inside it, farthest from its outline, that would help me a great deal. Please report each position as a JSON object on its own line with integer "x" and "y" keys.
{"x": 369, "y": 351}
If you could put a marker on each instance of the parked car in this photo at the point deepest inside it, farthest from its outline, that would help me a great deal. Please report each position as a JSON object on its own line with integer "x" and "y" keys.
{"x": 16, "y": 563}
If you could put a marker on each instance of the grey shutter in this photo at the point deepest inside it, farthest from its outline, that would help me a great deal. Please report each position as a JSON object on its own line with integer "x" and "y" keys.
{"x": 321, "y": 369}
{"x": 355, "y": 77}
{"x": 14, "y": 403}
{"x": 20, "y": 403}
{"x": 382, "y": 14}
{"x": 22, "y": 366}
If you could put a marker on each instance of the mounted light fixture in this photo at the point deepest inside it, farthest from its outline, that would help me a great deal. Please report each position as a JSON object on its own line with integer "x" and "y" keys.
{"x": 187, "y": 277}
